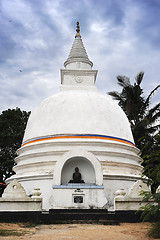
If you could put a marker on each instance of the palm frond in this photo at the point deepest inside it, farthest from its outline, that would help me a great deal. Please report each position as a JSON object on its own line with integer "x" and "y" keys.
{"x": 156, "y": 117}
{"x": 139, "y": 77}
{"x": 154, "y": 113}
{"x": 146, "y": 103}
{"x": 151, "y": 93}
{"x": 123, "y": 81}
{"x": 115, "y": 95}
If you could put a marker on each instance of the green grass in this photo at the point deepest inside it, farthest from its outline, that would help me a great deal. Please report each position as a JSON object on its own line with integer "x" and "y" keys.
{"x": 21, "y": 230}
{"x": 30, "y": 224}
{"x": 5, "y": 232}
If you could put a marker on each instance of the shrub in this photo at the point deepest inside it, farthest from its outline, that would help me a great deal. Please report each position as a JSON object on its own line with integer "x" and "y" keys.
{"x": 151, "y": 212}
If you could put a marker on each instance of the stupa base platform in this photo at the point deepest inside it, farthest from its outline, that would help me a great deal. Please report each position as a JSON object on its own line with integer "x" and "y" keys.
{"x": 73, "y": 216}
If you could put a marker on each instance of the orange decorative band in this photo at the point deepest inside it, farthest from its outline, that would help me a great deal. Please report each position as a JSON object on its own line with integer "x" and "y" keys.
{"x": 89, "y": 136}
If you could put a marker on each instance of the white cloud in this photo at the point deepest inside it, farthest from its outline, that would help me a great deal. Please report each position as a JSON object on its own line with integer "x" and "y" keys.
{"x": 36, "y": 37}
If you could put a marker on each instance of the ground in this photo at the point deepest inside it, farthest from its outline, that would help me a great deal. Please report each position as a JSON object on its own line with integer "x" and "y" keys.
{"x": 125, "y": 231}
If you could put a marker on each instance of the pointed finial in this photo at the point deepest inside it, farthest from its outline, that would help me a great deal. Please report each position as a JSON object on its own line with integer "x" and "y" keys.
{"x": 78, "y": 30}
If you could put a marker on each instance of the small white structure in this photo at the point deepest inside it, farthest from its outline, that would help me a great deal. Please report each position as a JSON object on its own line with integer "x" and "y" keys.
{"x": 132, "y": 200}
{"x": 15, "y": 199}
{"x": 77, "y": 127}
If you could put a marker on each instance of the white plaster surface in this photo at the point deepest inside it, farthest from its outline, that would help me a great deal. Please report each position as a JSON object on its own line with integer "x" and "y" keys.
{"x": 64, "y": 198}
{"x": 16, "y": 205}
{"x": 132, "y": 200}
{"x": 78, "y": 57}
{"x": 78, "y": 112}
{"x": 137, "y": 188}
{"x": 14, "y": 190}
{"x": 14, "y": 198}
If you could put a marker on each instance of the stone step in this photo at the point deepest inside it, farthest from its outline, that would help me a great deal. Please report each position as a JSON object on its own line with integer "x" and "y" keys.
{"x": 54, "y": 211}
{"x": 85, "y": 221}
{"x": 68, "y": 216}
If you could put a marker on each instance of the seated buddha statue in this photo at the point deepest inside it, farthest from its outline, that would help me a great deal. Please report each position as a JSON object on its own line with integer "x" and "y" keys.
{"x": 77, "y": 177}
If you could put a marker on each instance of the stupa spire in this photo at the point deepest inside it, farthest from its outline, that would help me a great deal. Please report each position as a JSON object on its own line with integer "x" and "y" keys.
{"x": 78, "y": 52}
{"x": 77, "y": 30}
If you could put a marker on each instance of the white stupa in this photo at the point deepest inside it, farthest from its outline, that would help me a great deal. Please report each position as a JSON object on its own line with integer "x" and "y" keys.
{"x": 77, "y": 127}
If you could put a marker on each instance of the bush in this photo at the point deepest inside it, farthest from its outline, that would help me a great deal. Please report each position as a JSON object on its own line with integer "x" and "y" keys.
{"x": 151, "y": 211}
{"x": 154, "y": 231}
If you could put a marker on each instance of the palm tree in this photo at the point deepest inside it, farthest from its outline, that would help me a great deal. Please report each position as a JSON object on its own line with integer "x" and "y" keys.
{"x": 143, "y": 118}
{"x": 130, "y": 98}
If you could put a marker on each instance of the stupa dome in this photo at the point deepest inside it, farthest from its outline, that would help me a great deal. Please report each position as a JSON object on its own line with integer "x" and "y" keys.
{"x": 78, "y": 112}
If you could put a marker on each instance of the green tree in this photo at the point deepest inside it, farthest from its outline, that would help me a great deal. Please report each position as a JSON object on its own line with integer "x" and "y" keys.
{"x": 151, "y": 163}
{"x": 143, "y": 120}
{"x": 12, "y": 126}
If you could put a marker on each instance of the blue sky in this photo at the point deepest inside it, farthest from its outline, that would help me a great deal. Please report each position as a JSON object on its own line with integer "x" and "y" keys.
{"x": 121, "y": 38}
